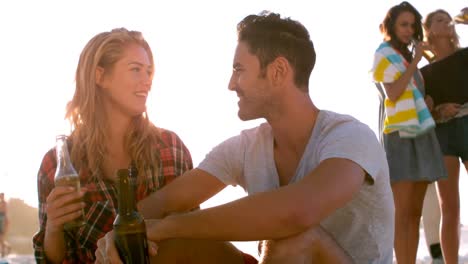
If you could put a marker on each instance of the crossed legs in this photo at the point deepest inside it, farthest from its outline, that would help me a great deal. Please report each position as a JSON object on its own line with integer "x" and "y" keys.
{"x": 313, "y": 246}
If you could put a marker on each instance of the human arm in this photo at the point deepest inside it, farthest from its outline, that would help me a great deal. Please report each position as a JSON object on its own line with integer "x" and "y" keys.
{"x": 177, "y": 194}
{"x": 61, "y": 208}
{"x": 184, "y": 193}
{"x": 180, "y": 193}
{"x": 445, "y": 111}
{"x": 275, "y": 214}
{"x": 429, "y": 102}
{"x": 395, "y": 89}
{"x": 49, "y": 242}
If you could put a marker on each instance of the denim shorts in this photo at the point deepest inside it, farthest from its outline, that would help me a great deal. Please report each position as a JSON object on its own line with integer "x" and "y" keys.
{"x": 453, "y": 137}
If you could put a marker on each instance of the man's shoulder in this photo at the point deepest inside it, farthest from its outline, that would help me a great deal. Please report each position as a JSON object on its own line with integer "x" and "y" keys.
{"x": 347, "y": 135}
{"x": 331, "y": 115}
{"x": 332, "y": 121}
{"x": 249, "y": 137}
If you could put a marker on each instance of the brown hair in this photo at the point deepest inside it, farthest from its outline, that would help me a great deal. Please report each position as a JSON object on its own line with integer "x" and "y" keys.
{"x": 269, "y": 36}
{"x": 387, "y": 27}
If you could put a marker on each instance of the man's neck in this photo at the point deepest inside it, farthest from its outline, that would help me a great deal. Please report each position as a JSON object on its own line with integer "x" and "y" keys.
{"x": 293, "y": 125}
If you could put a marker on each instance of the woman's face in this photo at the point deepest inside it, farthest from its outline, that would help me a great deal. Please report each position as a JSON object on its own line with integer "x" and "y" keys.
{"x": 404, "y": 26}
{"x": 441, "y": 26}
{"x": 127, "y": 84}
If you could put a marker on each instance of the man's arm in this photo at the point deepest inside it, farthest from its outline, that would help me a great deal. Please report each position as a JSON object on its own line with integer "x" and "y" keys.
{"x": 184, "y": 193}
{"x": 275, "y": 214}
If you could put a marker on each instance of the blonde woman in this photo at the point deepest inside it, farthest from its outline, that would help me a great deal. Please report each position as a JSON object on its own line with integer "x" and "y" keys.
{"x": 447, "y": 85}
{"x": 111, "y": 129}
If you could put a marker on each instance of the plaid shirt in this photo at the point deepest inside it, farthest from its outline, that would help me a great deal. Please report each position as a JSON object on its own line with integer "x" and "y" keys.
{"x": 101, "y": 198}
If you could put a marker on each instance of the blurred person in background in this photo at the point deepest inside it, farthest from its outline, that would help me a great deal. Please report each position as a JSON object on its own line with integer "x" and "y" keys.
{"x": 4, "y": 248}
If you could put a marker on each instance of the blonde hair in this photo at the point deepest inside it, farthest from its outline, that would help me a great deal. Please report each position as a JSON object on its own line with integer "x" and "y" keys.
{"x": 87, "y": 116}
{"x": 427, "y": 25}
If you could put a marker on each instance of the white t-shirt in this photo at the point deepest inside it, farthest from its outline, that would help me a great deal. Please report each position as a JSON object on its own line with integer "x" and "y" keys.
{"x": 365, "y": 226}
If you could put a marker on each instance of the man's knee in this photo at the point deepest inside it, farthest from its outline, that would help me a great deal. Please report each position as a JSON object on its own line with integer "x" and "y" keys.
{"x": 314, "y": 244}
{"x": 285, "y": 249}
{"x": 197, "y": 251}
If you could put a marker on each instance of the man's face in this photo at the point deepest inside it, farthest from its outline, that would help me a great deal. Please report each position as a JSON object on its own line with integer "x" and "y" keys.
{"x": 252, "y": 87}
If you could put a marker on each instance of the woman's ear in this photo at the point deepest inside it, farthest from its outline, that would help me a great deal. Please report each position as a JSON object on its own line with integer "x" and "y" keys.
{"x": 99, "y": 75}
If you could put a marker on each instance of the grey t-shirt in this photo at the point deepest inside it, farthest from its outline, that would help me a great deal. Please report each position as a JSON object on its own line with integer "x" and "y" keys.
{"x": 365, "y": 226}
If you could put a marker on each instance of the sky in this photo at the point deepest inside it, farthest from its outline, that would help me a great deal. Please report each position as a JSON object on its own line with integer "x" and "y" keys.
{"x": 193, "y": 44}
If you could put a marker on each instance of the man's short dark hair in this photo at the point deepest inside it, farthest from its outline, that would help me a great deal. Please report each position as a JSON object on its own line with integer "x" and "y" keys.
{"x": 269, "y": 36}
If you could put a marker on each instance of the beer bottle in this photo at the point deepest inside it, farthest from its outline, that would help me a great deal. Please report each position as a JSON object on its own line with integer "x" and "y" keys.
{"x": 129, "y": 225}
{"x": 462, "y": 17}
{"x": 66, "y": 175}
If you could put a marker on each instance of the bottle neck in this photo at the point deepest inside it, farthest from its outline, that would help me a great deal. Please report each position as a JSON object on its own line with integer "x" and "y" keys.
{"x": 64, "y": 164}
{"x": 127, "y": 203}
{"x": 62, "y": 152}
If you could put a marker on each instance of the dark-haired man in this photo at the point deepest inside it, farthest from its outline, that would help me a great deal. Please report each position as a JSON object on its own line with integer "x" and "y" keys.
{"x": 317, "y": 181}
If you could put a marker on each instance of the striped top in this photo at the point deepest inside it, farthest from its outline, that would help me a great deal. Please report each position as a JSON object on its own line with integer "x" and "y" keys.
{"x": 408, "y": 114}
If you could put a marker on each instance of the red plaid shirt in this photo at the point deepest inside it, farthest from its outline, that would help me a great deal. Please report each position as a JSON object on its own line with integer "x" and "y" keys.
{"x": 101, "y": 198}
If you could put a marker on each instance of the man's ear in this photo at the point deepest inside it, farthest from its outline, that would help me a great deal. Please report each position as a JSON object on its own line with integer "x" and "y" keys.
{"x": 99, "y": 75}
{"x": 279, "y": 69}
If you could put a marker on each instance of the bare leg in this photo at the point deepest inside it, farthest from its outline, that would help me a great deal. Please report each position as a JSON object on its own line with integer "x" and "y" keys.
{"x": 312, "y": 246}
{"x": 450, "y": 204}
{"x": 408, "y": 197}
{"x": 197, "y": 251}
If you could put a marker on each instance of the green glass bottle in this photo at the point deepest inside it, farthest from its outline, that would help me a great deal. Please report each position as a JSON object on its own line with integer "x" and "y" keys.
{"x": 129, "y": 225}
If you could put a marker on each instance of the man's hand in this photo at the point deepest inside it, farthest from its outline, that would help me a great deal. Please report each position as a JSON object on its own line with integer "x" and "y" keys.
{"x": 106, "y": 251}
{"x": 154, "y": 230}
